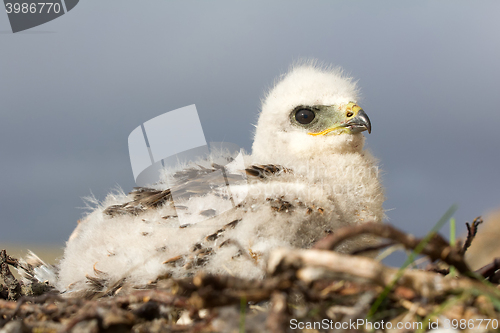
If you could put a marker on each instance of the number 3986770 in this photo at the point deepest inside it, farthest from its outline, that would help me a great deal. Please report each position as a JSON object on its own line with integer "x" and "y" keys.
{"x": 33, "y": 8}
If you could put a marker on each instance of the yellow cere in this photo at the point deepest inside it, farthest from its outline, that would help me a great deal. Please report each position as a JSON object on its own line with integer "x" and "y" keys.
{"x": 351, "y": 106}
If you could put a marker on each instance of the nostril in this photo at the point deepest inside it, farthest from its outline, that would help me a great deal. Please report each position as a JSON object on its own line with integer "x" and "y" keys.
{"x": 350, "y": 114}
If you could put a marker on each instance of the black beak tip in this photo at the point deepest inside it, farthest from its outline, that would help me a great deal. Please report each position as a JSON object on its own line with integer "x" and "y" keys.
{"x": 365, "y": 121}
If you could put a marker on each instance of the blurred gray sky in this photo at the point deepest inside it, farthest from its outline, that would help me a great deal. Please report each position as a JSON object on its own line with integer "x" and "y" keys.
{"x": 73, "y": 89}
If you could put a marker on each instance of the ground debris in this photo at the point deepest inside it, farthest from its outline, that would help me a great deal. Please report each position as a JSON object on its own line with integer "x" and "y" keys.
{"x": 12, "y": 285}
{"x": 305, "y": 290}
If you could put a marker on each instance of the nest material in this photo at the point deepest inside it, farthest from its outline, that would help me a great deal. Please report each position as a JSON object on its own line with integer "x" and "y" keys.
{"x": 314, "y": 290}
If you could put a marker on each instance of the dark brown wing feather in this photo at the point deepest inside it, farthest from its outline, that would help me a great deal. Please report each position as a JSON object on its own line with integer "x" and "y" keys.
{"x": 143, "y": 198}
{"x": 267, "y": 170}
{"x": 191, "y": 181}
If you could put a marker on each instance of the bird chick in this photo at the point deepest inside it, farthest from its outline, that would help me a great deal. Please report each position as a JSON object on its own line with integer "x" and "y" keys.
{"x": 308, "y": 174}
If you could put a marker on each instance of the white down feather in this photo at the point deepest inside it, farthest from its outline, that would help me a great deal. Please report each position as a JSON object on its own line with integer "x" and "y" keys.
{"x": 334, "y": 182}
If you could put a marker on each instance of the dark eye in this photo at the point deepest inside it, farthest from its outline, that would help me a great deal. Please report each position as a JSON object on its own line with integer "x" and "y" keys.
{"x": 304, "y": 116}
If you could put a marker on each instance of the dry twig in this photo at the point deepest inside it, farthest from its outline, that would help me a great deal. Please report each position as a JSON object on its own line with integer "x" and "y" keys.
{"x": 312, "y": 265}
{"x": 436, "y": 249}
{"x": 471, "y": 233}
{"x": 490, "y": 271}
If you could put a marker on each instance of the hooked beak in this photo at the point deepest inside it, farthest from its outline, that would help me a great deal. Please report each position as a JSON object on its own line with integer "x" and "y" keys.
{"x": 359, "y": 123}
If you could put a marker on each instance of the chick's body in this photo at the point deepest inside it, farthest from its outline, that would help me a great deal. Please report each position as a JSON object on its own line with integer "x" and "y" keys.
{"x": 308, "y": 175}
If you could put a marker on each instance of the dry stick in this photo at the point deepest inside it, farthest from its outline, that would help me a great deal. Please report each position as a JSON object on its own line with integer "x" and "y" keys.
{"x": 471, "y": 233}
{"x": 437, "y": 248}
{"x": 495, "y": 278}
{"x": 427, "y": 284}
{"x": 373, "y": 248}
{"x": 489, "y": 270}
